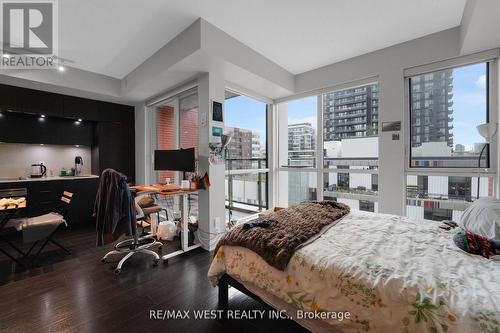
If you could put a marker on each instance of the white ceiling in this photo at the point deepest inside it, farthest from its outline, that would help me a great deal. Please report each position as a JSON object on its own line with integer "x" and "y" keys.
{"x": 115, "y": 36}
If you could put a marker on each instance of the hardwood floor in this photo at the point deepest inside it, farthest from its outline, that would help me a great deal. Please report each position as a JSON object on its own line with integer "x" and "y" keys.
{"x": 78, "y": 293}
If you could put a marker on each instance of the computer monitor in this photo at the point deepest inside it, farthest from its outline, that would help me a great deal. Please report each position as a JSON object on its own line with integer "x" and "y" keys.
{"x": 175, "y": 160}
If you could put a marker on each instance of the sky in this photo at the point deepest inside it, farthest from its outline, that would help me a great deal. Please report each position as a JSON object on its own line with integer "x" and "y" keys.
{"x": 469, "y": 108}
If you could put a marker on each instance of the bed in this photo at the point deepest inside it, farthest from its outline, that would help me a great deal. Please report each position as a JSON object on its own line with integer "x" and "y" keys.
{"x": 390, "y": 273}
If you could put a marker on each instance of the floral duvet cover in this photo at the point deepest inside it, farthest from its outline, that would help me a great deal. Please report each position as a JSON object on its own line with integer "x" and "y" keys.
{"x": 390, "y": 273}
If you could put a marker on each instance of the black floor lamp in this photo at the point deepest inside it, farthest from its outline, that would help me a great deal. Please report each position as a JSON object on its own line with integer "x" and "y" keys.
{"x": 487, "y": 131}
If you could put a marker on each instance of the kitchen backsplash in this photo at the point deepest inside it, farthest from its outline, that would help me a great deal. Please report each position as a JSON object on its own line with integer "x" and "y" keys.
{"x": 16, "y": 159}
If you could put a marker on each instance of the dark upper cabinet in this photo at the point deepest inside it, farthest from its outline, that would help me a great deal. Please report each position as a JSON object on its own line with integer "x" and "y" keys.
{"x": 30, "y": 101}
{"x": 23, "y": 128}
{"x": 76, "y": 133}
{"x": 116, "y": 113}
{"x": 80, "y": 108}
{"x": 11, "y": 98}
{"x": 42, "y": 102}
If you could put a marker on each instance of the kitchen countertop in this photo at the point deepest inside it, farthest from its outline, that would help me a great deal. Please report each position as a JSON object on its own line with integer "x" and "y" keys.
{"x": 22, "y": 180}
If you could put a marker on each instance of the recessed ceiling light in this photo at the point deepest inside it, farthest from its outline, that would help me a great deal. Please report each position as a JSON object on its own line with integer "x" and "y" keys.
{"x": 79, "y": 119}
{"x": 61, "y": 68}
{"x": 77, "y": 146}
{"x": 41, "y": 144}
{"x": 42, "y": 116}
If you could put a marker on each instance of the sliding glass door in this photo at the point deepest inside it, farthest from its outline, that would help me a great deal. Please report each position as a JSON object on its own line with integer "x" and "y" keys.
{"x": 246, "y": 165}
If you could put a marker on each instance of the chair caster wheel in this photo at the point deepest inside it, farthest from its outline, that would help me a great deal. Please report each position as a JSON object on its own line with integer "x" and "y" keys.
{"x": 155, "y": 262}
{"x": 165, "y": 261}
{"x": 160, "y": 249}
{"x": 103, "y": 260}
{"x": 118, "y": 271}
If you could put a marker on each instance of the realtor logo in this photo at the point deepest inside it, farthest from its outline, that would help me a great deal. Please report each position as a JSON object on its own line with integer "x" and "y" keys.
{"x": 29, "y": 34}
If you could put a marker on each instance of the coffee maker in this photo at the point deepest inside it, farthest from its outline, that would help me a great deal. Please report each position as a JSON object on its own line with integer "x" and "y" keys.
{"x": 78, "y": 165}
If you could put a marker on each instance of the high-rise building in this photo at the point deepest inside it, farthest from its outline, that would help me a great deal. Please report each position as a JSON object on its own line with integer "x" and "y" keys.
{"x": 432, "y": 108}
{"x": 256, "y": 149}
{"x": 351, "y": 113}
{"x": 301, "y": 145}
{"x": 240, "y": 147}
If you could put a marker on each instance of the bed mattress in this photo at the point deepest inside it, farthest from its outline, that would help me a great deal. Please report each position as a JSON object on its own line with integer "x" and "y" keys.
{"x": 390, "y": 273}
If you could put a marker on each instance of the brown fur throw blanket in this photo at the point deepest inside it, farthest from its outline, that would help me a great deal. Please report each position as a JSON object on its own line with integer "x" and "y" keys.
{"x": 289, "y": 229}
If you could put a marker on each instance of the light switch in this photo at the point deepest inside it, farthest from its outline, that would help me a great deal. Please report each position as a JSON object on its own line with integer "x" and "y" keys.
{"x": 203, "y": 119}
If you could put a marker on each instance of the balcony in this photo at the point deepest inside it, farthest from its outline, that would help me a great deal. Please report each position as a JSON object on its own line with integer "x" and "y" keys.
{"x": 246, "y": 187}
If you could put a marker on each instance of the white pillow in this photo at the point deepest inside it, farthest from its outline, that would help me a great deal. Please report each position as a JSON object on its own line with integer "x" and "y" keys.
{"x": 483, "y": 218}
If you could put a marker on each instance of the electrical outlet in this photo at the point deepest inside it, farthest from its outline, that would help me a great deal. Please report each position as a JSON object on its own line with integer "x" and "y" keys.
{"x": 217, "y": 224}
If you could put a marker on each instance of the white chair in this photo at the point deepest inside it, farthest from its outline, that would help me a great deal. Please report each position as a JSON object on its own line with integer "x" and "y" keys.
{"x": 137, "y": 244}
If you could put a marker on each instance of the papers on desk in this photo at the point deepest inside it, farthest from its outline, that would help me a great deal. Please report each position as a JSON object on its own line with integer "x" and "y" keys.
{"x": 11, "y": 203}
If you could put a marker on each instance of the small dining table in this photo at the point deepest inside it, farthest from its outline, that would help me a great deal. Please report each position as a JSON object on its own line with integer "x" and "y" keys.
{"x": 7, "y": 212}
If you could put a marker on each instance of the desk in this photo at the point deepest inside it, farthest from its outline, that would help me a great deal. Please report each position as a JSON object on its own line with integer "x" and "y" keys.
{"x": 7, "y": 212}
{"x": 184, "y": 216}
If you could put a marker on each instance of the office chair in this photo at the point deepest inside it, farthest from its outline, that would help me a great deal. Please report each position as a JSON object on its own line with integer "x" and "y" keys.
{"x": 137, "y": 244}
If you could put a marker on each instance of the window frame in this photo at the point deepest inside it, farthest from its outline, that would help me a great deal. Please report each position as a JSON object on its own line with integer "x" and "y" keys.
{"x": 491, "y": 116}
{"x": 268, "y": 169}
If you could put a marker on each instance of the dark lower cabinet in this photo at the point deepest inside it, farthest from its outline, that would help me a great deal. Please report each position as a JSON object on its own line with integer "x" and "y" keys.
{"x": 44, "y": 197}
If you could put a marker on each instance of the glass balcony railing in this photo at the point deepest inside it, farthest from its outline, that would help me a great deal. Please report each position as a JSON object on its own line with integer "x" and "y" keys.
{"x": 246, "y": 192}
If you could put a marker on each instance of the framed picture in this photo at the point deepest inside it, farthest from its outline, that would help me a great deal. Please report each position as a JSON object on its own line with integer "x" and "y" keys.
{"x": 217, "y": 114}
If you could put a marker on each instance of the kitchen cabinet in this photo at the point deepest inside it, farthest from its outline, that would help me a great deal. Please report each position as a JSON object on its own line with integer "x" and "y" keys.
{"x": 42, "y": 102}
{"x": 43, "y": 196}
{"x": 114, "y": 148}
{"x": 23, "y": 128}
{"x": 10, "y": 98}
{"x": 106, "y": 127}
{"x": 23, "y": 100}
{"x": 76, "y": 133}
{"x": 80, "y": 108}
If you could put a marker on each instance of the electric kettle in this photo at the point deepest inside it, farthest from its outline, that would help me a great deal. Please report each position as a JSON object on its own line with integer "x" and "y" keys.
{"x": 38, "y": 170}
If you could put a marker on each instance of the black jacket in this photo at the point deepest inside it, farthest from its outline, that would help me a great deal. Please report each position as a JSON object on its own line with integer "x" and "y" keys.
{"x": 114, "y": 208}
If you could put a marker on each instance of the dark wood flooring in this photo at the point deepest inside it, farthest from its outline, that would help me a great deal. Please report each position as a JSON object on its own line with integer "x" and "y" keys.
{"x": 78, "y": 293}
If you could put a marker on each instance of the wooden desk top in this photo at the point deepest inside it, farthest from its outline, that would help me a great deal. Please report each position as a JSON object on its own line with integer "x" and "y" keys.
{"x": 165, "y": 190}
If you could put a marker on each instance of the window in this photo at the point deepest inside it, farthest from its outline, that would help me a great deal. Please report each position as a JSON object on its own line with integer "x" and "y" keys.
{"x": 446, "y": 106}
{"x": 176, "y": 126}
{"x": 297, "y": 186}
{"x": 350, "y": 160}
{"x": 455, "y": 101}
{"x": 298, "y": 127}
{"x": 437, "y": 197}
{"x": 246, "y": 165}
{"x": 346, "y": 169}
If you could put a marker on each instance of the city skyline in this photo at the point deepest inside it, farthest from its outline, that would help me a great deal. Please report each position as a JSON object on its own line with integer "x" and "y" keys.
{"x": 469, "y": 105}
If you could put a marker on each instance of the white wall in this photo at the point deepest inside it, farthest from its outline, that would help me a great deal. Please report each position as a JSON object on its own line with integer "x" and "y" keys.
{"x": 16, "y": 159}
{"x": 211, "y": 202}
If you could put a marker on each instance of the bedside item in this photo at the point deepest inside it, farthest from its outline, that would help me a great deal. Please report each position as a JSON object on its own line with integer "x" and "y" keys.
{"x": 487, "y": 131}
{"x": 450, "y": 223}
{"x": 483, "y": 218}
{"x": 476, "y": 244}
